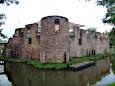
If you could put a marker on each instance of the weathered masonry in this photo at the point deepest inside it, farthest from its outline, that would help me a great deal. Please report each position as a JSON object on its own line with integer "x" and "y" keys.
{"x": 55, "y": 39}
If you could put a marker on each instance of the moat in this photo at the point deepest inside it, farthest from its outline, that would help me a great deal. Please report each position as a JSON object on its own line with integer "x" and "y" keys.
{"x": 18, "y": 74}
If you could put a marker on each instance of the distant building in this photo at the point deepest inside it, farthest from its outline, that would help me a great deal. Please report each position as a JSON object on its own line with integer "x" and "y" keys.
{"x": 55, "y": 39}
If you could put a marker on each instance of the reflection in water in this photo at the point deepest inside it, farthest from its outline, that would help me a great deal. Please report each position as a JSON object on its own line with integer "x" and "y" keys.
{"x": 3, "y": 77}
{"x": 113, "y": 64}
{"x": 112, "y": 59}
{"x": 107, "y": 79}
{"x": 113, "y": 67}
{"x": 26, "y": 75}
{"x": 1, "y": 69}
{"x": 4, "y": 80}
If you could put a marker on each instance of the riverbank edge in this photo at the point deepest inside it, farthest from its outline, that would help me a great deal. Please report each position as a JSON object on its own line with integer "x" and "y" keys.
{"x": 55, "y": 66}
{"x": 112, "y": 55}
{"x": 111, "y": 84}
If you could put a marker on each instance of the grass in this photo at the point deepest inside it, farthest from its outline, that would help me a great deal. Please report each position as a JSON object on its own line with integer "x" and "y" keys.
{"x": 13, "y": 59}
{"x": 39, "y": 65}
{"x": 36, "y": 63}
{"x": 111, "y": 84}
{"x": 76, "y": 60}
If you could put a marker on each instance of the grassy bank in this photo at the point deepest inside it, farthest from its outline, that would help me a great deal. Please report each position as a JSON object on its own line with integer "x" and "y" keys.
{"x": 111, "y": 84}
{"x": 36, "y": 63}
{"x": 76, "y": 60}
{"x": 39, "y": 65}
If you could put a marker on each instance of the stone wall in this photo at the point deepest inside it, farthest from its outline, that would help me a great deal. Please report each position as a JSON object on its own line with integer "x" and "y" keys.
{"x": 30, "y": 41}
{"x": 87, "y": 43}
{"x": 25, "y": 43}
{"x": 50, "y": 41}
{"x": 54, "y": 39}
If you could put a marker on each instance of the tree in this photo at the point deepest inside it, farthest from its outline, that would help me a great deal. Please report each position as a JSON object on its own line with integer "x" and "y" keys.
{"x": 92, "y": 29}
{"x": 3, "y": 16}
{"x": 109, "y": 18}
{"x": 112, "y": 37}
{"x": 106, "y": 33}
{"x": 110, "y": 15}
{"x": 2, "y": 35}
{"x": 8, "y": 2}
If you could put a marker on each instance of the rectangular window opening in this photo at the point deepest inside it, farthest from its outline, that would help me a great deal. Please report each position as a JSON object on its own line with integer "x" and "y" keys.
{"x": 57, "y": 25}
{"x": 57, "y": 21}
{"x": 29, "y": 40}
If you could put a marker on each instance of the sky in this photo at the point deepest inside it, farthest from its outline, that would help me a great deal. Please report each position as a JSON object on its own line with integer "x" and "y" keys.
{"x": 31, "y": 11}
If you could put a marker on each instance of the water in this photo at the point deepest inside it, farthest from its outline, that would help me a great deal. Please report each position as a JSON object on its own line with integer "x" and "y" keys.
{"x": 17, "y": 74}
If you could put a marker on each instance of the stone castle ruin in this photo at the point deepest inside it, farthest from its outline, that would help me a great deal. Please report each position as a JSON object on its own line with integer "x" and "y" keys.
{"x": 50, "y": 40}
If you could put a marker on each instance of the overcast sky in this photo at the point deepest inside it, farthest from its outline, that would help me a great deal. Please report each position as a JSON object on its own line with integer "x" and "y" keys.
{"x": 31, "y": 11}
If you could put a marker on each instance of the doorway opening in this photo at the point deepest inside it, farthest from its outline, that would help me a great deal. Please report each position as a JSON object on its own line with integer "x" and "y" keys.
{"x": 65, "y": 58}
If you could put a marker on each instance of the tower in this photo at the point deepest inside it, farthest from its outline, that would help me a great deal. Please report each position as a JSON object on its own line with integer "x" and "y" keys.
{"x": 54, "y": 40}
